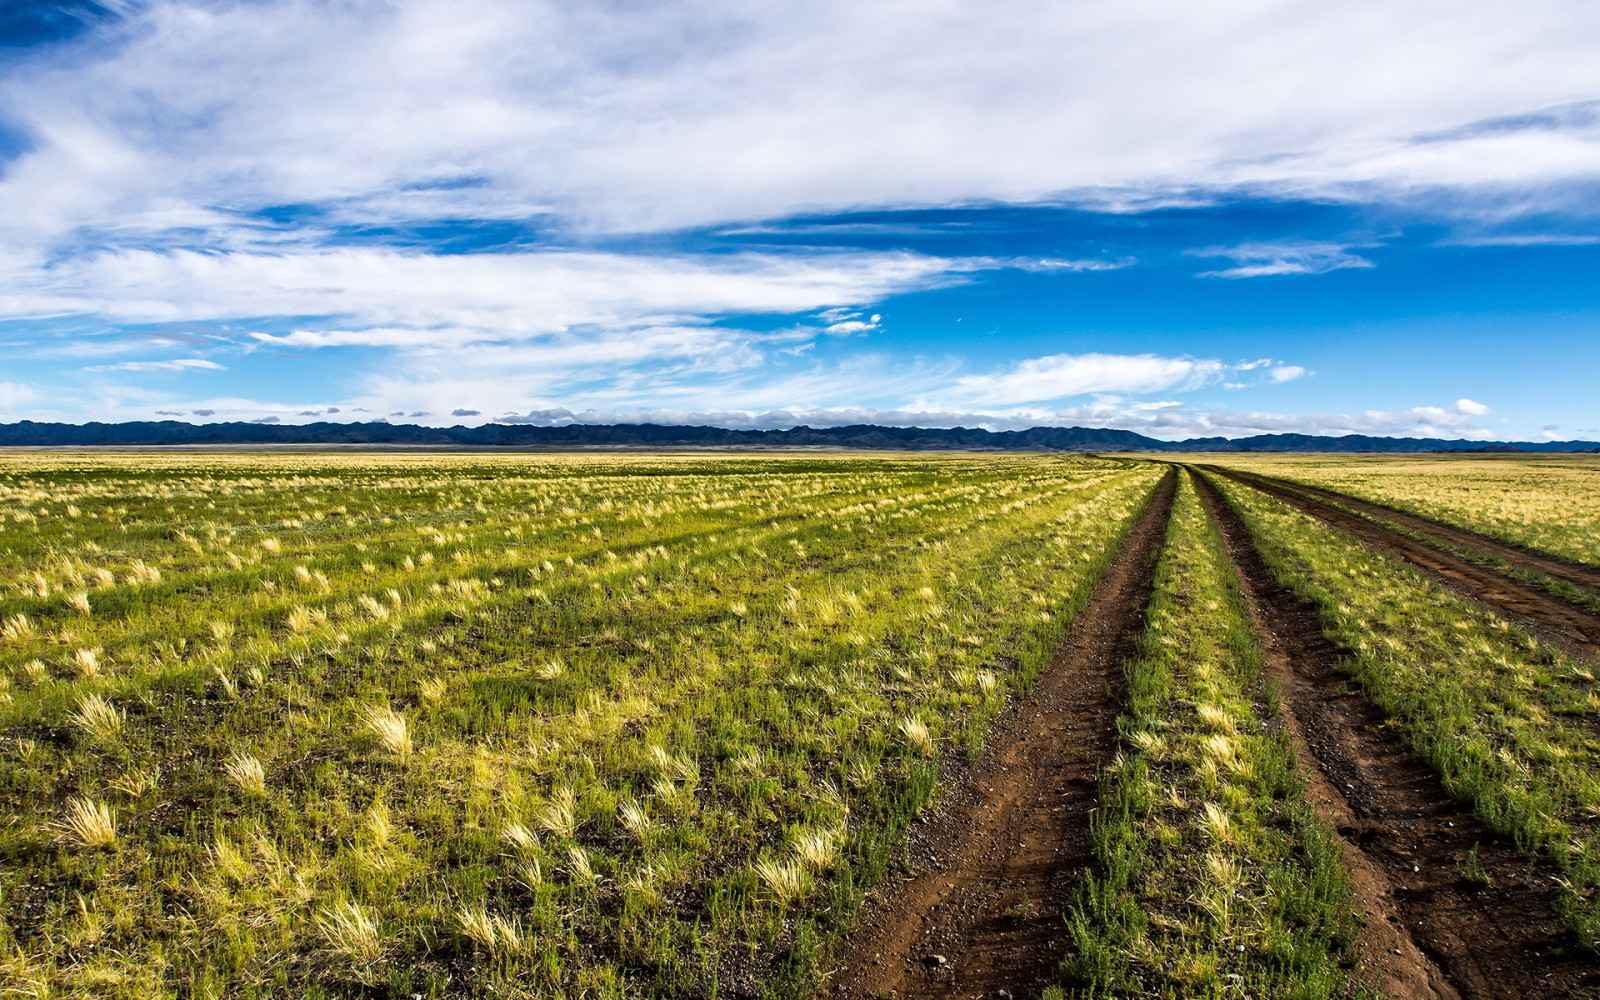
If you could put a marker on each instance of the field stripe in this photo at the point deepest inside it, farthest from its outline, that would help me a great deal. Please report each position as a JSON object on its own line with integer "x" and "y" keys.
{"x": 1484, "y": 916}
{"x": 1413, "y": 849}
{"x": 1581, "y": 572}
{"x": 1524, "y": 604}
{"x": 981, "y": 911}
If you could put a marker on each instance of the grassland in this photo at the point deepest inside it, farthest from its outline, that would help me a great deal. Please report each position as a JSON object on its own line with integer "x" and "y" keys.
{"x": 498, "y": 727}
{"x": 501, "y": 726}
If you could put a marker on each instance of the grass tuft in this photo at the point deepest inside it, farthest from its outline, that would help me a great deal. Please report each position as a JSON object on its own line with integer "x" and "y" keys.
{"x": 246, "y": 774}
{"x": 787, "y": 880}
{"x": 390, "y": 728}
{"x": 351, "y": 932}
{"x": 16, "y": 628}
{"x": 917, "y": 735}
{"x": 98, "y": 718}
{"x": 89, "y": 824}
{"x": 494, "y": 934}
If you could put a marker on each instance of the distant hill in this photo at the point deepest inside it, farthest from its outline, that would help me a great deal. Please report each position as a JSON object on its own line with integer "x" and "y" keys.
{"x": 27, "y": 433}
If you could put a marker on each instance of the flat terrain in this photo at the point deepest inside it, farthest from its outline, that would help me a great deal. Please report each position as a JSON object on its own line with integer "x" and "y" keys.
{"x": 396, "y": 725}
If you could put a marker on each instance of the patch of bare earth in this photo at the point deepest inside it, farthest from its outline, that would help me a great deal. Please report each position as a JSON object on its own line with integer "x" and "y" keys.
{"x": 1566, "y": 623}
{"x": 1431, "y": 931}
{"x": 978, "y": 911}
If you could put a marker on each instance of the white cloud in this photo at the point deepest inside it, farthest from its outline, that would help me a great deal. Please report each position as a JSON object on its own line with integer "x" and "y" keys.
{"x": 510, "y": 329}
{"x": 153, "y": 144}
{"x": 716, "y": 370}
{"x": 849, "y": 322}
{"x": 622, "y": 117}
{"x": 741, "y": 398}
{"x": 15, "y": 396}
{"x": 753, "y": 419}
{"x": 1526, "y": 240}
{"x": 175, "y": 365}
{"x": 1163, "y": 419}
{"x": 1174, "y": 419}
{"x": 1061, "y": 375}
{"x": 1052, "y": 264}
{"x": 391, "y": 298}
{"x": 1257, "y": 260}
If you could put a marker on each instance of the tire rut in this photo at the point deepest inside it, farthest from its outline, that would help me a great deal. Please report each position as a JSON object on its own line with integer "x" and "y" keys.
{"x": 1565, "y": 623}
{"x": 979, "y": 912}
{"x": 1568, "y": 571}
{"x": 1430, "y": 933}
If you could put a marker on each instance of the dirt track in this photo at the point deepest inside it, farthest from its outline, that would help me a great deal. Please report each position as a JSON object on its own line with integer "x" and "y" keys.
{"x": 1554, "y": 567}
{"x": 1429, "y": 934}
{"x": 979, "y": 914}
{"x": 1529, "y": 606}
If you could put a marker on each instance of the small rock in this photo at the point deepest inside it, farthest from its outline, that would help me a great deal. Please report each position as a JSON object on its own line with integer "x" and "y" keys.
{"x": 934, "y": 961}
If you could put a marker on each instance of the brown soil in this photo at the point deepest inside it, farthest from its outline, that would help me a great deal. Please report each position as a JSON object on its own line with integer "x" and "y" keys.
{"x": 1555, "y": 567}
{"x": 1541, "y": 612}
{"x": 978, "y": 913}
{"x": 1430, "y": 933}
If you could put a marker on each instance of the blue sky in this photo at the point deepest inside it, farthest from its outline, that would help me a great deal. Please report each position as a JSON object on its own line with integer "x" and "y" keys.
{"x": 1375, "y": 217}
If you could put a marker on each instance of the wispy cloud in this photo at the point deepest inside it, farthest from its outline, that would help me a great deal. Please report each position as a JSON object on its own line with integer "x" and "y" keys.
{"x": 1059, "y": 376}
{"x": 175, "y": 365}
{"x": 1175, "y": 419}
{"x": 15, "y": 396}
{"x": 408, "y": 110}
{"x": 1527, "y": 240}
{"x": 1260, "y": 260}
{"x": 393, "y": 298}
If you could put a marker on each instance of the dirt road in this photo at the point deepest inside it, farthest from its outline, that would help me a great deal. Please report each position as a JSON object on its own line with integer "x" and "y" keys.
{"x": 979, "y": 914}
{"x": 1432, "y": 933}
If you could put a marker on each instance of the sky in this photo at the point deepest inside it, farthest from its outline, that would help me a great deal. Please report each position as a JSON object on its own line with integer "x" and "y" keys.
{"x": 1252, "y": 216}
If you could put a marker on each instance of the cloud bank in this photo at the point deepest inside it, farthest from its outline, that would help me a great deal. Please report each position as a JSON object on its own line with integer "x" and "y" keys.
{"x": 192, "y": 115}
{"x": 1167, "y": 420}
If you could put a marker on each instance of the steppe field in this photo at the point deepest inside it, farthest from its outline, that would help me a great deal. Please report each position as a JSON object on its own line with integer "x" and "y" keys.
{"x": 412, "y": 725}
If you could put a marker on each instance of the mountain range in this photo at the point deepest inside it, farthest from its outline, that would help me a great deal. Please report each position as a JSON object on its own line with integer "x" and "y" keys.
{"x": 28, "y": 433}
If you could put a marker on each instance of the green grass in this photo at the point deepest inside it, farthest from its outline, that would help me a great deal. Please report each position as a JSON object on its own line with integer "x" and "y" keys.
{"x": 1581, "y": 596}
{"x": 1545, "y": 502}
{"x": 1505, "y": 718}
{"x": 499, "y": 726}
{"x": 649, "y": 726}
{"x": 1214, "y": 877}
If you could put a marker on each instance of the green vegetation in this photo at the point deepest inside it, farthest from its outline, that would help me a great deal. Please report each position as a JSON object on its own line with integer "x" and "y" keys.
{"x": 649, "y": 726}
{"x": 1215, "y": 878}
{"x": 1567, "y": 591}
{"x": 498, "y": 726}
{"x": 1505, "y": 718}
{"x": 1547, "y": 502}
